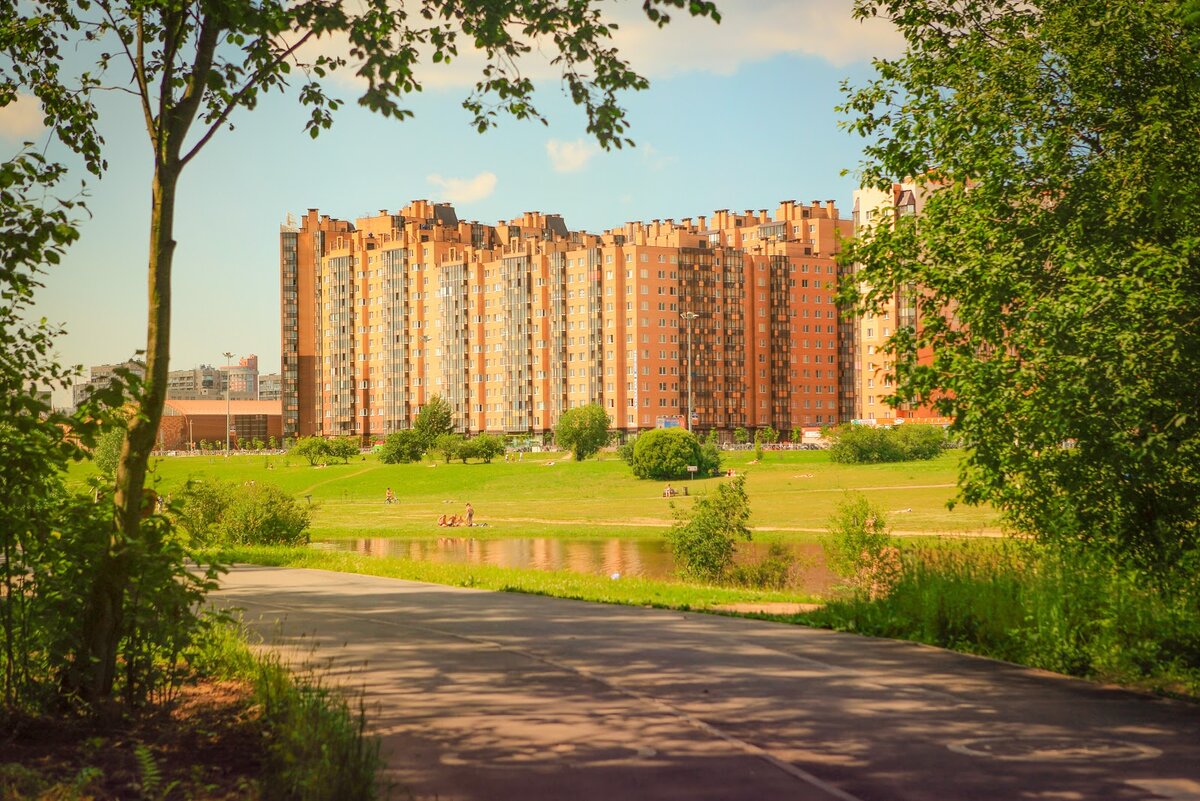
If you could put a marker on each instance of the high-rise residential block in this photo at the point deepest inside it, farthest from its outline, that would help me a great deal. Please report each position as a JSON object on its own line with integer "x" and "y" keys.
{"x": 516, "y": 322}
{"x": 873, "y": 369}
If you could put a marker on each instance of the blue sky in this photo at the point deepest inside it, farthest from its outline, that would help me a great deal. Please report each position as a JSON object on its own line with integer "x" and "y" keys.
{"x": 738, "y": 116}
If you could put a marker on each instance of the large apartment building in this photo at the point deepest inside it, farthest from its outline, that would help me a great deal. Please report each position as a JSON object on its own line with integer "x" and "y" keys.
{"x": 516, "y": 322}
{"x": 872, "y": 373}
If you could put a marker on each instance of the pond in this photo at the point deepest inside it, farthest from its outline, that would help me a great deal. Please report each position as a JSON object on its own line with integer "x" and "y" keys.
{"x": 645, "y": 558}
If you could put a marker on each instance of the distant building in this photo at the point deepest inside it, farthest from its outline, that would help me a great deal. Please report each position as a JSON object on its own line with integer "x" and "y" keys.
{"x": 186, "y": 423}
{"x": 270, "y": 386}
{"x": 197, "y": 383}
{"x": 515, "y": 323}
{"x": 100, "y": 376}
{"x": 874, "y": 370}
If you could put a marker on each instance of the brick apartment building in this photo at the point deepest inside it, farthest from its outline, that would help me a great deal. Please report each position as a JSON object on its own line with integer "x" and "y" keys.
{"x": 516, "y": 322}
{"x": 872, "y": 368}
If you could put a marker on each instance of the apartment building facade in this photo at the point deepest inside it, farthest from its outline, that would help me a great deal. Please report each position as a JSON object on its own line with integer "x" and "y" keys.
{"x": 516, "y": 322}
{"x": 872, "y": 373}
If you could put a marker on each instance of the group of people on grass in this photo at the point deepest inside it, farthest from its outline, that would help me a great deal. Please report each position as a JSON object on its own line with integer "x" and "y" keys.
{"x": 467, "y": 518}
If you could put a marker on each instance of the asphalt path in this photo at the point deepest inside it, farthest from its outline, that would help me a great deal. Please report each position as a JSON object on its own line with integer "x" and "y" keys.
{"x": 494, "y": 696}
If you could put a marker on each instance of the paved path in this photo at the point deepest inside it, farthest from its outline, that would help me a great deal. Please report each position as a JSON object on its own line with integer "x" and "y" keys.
{"x": 497, "y": 696}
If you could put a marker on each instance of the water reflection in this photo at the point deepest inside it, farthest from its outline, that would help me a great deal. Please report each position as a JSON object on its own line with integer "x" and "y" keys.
{"x": 647, "y": 558}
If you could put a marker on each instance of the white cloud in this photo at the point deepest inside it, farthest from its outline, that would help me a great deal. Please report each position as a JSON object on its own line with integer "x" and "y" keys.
{"x": 654, "y": 157}
{"x": 464, "y": 190}
{"x": 750, "y": 31}
{"x": 22, "y": 119}
{"x": 755, "y": 30}
{"x": 569, "y": 156}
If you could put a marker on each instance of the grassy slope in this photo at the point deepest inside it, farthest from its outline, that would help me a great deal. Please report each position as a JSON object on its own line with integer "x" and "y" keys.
{"x": 789, "y": 490}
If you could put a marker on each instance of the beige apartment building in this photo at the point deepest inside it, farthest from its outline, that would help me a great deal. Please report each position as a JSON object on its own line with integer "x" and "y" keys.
{"x": 514, "y": 323}
{"x": 873, "y": 367}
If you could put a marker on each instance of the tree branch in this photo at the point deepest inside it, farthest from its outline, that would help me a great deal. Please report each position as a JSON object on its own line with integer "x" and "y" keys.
{"x": 245, "y": 89}
{"x": 137, "y": 64}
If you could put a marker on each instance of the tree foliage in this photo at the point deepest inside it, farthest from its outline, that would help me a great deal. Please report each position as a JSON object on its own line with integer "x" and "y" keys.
{"x": 435, "y": 419}
{"x": 665, "y": 453}
{"x": 312, "y": 449}
{"x": 858, "y": 444}
{"x": 402, "y": 447}
{"x": 703, "y": 539}
{"x": 221, "y": 512}
{"x": 1055, "y": 265}
{"x": 193, "y": 65}
{"x": 583, "y": 430}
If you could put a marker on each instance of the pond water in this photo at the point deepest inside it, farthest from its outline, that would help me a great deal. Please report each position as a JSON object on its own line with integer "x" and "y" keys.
{"x": 646, "y": 558}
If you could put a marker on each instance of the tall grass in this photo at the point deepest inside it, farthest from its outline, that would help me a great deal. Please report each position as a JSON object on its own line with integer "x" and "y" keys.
{"x": 316, "y": 746}
{"x": 1019, "y": 602}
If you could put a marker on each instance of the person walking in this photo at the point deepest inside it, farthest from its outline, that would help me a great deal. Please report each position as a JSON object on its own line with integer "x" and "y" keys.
{"x": 470, "y": 514}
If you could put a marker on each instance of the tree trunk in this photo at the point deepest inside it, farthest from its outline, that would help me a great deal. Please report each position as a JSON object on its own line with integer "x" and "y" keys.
{"x": 104, "y": 622}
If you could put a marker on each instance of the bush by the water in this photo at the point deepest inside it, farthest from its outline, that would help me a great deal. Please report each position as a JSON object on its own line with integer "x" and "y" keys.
{"x": 665, "y": 453}
{"x": 216, "y": 512}
{"x": 703, "y": 538}
{"x": 1067, "y": 611}
{"x": 860, "y": 550}
{"x": 869, "y": 444}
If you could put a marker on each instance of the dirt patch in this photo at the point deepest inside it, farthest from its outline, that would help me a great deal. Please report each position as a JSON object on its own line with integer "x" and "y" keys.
{"x": 766, "y": 608}
{"x": 207, "y": 746}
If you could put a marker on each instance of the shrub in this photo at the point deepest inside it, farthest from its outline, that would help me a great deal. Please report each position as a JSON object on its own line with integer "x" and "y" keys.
{"x": 859, "y": 548}
{"x": 740, "y": 435}
{"x": 218, "y": 512}
{"x": 868, "y": 444}
{"x": 776, "y": 570}
{"x": 263, "y": 514}
{"x": 703, "y": 538}
{"x": 710, "y": 456}
{"x": 402, "y": 447}
{"x": 665, "y": 453}
{"x": 625, "y": 450}
{"x": 108, "y": 451}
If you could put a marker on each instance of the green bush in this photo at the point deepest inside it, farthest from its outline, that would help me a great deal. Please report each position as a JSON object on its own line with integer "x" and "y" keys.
{"x": 223, "y": 513}
{"x": 665, "y": 453}
{"x": 625, "y": 450}
{"x": 263, "y": 514}
{"x": 450, "y": 446}
{"x": 487, "y": 446}
{"x": 854, "y": 444}
{"x": 703, "y": 538}
{"x": 776, "y": 570}
{"x": 858, "y": 537}
{"x": 402, "y": 447}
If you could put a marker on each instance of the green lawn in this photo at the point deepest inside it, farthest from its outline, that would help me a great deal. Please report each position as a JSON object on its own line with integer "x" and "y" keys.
{"x": 546, "y": 495}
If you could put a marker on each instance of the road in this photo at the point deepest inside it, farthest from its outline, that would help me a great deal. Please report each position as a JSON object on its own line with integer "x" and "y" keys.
{"x": 495, "y": 696}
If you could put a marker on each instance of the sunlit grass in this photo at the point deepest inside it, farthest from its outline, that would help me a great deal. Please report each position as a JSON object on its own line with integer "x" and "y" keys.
{"x": 547, "y": 495}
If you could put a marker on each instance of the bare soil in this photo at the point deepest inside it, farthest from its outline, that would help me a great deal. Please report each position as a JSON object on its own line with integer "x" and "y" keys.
{"x": 206, "y": 746}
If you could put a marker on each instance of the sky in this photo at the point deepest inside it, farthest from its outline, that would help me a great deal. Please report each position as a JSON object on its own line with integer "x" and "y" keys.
{"x": 739, "y": 115}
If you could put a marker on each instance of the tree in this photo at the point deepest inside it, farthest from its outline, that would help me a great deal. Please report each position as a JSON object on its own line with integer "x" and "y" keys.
{"x": 314, "y": 449}
{"x": 1054, "y": 266}
{"x": 583, "y": 430}
{"x": 435, "y": 419}
{"x": 402, "y": 446}
{"x": 192, "y": 65}
{"x": 344, "y": 448}
{"x": 740, "y": 435}
{"x": 451, "y": 447}
{"x": 703, "y": 539}
{"x": 488, "y": 446}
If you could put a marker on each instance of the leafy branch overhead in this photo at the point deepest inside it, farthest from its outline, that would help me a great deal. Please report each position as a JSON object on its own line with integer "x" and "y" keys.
{"x": 193, "y": 65}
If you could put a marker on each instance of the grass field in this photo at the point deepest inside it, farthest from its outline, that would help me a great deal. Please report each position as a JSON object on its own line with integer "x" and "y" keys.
{"x": 546, "y": 495}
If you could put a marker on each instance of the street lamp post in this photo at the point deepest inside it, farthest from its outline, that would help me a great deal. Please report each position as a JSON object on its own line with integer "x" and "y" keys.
{"x": 228, "y": 361}
{"x": 688, "y": 317}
